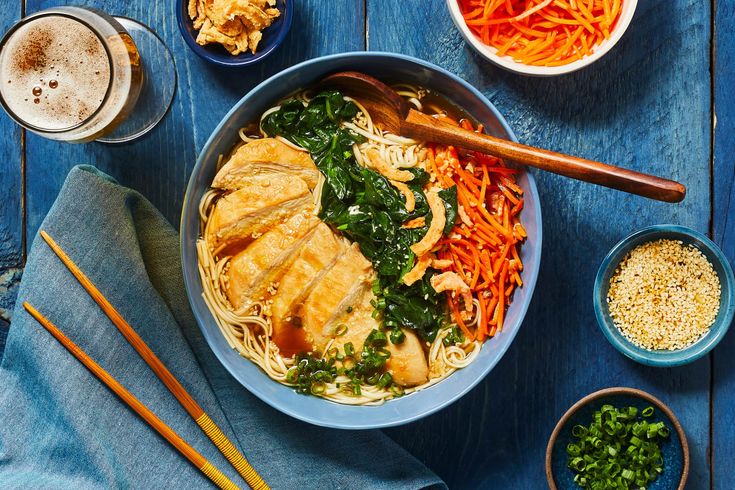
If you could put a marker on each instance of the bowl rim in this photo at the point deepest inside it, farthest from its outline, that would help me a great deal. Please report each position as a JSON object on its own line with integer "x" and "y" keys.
{"x": 237, "y": 60}
{"x": 699, "y": 348}
{"x": 359, "y": 423}
{"x": 489, "y": 53}
{"x": 617, "y": 390}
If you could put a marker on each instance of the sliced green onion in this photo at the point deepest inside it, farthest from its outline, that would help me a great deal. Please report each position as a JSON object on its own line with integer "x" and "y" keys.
{"x": 619, "y": 449}
{"x": 579, "y": 431}
{"x": 340, "y": 330}
{"x": 292, "y": 374}
{"x": 397, "y": 336}
{"x": 577, "y": 464}
{"x": 384, "y": 380}
{"x": 397, "y": 390}
{"x": 349, "y": 349}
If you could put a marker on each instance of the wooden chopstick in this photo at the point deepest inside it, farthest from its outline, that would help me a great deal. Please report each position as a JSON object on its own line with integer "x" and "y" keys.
{"x": 209, "y": 470}
{"x": 196, "y": 412}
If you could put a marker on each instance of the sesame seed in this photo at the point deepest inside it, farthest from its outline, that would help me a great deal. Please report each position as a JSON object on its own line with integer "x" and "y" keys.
{"x": 664, "y": 295}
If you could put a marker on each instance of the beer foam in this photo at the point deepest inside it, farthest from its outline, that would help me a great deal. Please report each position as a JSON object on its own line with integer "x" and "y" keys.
{"x": 54, "y": 72}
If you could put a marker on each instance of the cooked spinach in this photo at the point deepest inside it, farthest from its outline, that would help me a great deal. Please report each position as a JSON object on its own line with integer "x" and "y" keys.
{"x": 367, "y": 209}
{"x": 449, "y": 196}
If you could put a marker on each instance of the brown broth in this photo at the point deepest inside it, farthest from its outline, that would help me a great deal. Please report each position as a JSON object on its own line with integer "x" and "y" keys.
{"x": 291, "y": 340}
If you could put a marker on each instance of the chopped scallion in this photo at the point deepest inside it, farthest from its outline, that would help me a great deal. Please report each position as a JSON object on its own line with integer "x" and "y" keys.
{"x": 619, "y": 449}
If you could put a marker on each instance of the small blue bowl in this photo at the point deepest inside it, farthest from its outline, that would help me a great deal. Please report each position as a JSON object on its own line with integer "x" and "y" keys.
{"x": 273, "y": 37}
{"x": 666, "y": 358}
{"x": 389, "y": 67}
{"x": 674, "y": 450}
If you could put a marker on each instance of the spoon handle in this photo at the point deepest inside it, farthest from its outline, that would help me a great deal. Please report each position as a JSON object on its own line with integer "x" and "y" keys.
{"x": 423, "y": 127}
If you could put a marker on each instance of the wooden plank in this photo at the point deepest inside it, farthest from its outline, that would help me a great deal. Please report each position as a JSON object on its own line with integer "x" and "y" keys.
{"x": 723, "y": 431}
{"x": 645, "y": 105}
{"x": 11, "y": 209}
{"x": 159, "y": 164}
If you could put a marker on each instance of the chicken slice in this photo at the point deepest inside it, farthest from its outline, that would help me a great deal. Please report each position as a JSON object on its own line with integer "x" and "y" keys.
{"x": 407, "y": 363}
{"x": 257, "y": 268}
{"x": 265, "y": 157}
{"x": 333, "y": 294}
{"x": 317, "y": 255}
{"x": 266, "y": 201}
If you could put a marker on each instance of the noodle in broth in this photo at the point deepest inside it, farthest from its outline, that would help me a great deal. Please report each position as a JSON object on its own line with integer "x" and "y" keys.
{"x": 249, "y": 330}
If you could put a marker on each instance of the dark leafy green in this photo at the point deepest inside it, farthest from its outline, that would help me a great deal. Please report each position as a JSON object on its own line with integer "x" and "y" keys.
{"x": 449, "y": 196}
{"x": 367, "y": 209}
{"x": 455, "y": 336}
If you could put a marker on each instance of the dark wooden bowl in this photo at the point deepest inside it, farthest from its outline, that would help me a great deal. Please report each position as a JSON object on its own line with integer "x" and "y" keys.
{"x": 675, "y": 449}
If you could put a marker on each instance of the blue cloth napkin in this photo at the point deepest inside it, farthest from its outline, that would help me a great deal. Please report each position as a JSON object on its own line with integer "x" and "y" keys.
{"x": 61, "y": 428}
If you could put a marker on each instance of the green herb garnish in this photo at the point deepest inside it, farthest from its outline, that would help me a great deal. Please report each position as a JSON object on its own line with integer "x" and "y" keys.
{"x": 311, "y": 374}
{"x": 619, "y": 449}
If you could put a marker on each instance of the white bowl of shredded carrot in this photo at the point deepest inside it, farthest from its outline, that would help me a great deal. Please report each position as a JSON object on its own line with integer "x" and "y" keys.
{"x": 542, "y": 37}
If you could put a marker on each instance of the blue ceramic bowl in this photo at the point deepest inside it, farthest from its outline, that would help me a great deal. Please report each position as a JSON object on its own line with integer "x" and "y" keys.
{"x": 273, "y": 36}
{"x": 665, "y": 358}
{"x": 388, "y": 67}
{"x": 675, "y": 450}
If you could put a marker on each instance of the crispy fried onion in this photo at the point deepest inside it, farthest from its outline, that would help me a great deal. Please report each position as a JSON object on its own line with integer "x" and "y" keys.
{"x": 418, "y": 270}
{"x": 407, "y": 193}
{"x": 415, "y": 223}
{"x": 438, "y": 220}
{"x": 377, "y": 163}
{"x": 450, "y": 281}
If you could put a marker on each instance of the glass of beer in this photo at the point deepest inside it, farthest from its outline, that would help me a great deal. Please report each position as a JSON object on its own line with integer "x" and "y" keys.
{"x": 77, "y": 74}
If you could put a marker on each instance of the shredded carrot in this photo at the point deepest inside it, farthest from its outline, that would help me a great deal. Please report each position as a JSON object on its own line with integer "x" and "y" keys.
{"x": 484, "y": 250}
{"x": 458, "y": 317}
{"x": 482, "y": 328}
{"x": 542, "y": 32}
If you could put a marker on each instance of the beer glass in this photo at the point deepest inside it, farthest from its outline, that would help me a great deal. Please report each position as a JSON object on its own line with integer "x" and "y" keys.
{"x": 77, "y": 74}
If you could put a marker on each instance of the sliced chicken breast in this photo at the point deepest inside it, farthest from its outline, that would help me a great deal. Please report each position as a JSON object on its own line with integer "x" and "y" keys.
{"x": 407, "y": 363}
{"x": 258, "y": 268}
{"x": 333, "y": 294}
{"x": 240, "y": 216}
{"x": 265, "y": 157}
{"x": 317, "y": 255}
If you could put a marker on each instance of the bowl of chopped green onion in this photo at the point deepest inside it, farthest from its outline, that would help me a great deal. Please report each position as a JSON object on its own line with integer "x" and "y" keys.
{"x": 618, "y": 438}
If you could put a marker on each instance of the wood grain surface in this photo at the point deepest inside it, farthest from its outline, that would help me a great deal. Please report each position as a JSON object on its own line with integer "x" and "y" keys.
{"x": 12, "y": 254}
{"x": 647, "y": 106}
{"x": 723, "y": 223}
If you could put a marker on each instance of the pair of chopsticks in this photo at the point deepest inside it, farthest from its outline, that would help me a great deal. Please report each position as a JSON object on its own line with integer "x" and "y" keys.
{"x": 213, "y": 432}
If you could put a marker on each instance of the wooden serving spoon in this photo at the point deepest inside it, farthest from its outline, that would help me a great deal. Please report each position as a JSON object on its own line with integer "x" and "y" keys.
{"x": 393, "y": 113}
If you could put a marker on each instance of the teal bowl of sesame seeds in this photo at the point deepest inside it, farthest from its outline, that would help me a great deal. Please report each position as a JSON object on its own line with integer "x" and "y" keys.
{"x": 665, "y": 295}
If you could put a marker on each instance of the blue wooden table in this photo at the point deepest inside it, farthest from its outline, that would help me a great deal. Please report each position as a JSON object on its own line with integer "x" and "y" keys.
{"x": 649, "y": 104}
